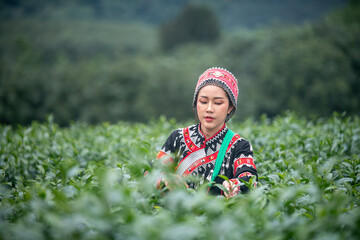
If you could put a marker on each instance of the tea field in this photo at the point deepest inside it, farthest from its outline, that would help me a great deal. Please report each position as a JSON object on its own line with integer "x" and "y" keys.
{"x": 87, "y": 182}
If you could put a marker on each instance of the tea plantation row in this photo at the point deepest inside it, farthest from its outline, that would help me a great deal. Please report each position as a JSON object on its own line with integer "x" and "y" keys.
{"x": 86, "y": 182}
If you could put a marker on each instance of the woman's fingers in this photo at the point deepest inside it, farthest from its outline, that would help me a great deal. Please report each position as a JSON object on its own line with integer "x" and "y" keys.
{"x": 226, "y": 184}
{"x": 172, "y": 181}
{"x": 232, "y": 189}
{"x": 158, "y": 183}
{"x": 235, "y": 190}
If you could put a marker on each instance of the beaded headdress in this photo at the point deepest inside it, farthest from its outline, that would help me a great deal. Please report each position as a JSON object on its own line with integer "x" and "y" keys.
{"x": 222, "y": 78}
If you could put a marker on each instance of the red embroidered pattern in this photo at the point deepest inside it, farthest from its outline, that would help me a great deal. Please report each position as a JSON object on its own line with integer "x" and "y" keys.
{"x": 245, "y": 174}
{"x": 188, "y": 141}
{"x": 221, "y": 75}
{"x": 235, "y": 137}
{"x": 241, "y": 161}
{"x": 167, "y": 159}
{"x": 200, "y": 162}
{"x": 189, "y": 144}
{"x": 204, "y": 160}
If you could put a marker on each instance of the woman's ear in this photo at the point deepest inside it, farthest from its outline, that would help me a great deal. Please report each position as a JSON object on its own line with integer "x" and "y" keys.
{"x": 230, "y": 109}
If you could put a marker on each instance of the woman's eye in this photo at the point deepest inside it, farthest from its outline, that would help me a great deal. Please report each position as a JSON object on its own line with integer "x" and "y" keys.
{"x": 218, "y": 103}
{"x": 202, "y": 102}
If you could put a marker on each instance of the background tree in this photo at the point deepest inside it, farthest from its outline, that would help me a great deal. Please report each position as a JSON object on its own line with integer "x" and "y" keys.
{"x": 194, "y": 24}
{"x": 104, "y": 70}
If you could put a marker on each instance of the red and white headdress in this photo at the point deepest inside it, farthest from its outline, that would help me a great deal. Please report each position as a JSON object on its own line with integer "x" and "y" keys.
{"x": 222, "y": 78}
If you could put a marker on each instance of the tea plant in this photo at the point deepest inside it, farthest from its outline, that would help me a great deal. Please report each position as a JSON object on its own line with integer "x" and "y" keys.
{"x": 87, "y": 182}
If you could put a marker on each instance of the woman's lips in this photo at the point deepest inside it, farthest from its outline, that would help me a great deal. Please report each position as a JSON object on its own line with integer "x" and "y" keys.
{"x": 209, "y": 119}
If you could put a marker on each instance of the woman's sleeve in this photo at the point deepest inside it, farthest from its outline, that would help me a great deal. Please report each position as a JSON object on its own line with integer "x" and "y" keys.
{"x": 170, "y": 146}
{"x": 243, "y": 166}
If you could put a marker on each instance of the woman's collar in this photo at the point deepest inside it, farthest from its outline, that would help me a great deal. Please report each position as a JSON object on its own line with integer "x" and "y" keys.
{"x": 203, "y": 135}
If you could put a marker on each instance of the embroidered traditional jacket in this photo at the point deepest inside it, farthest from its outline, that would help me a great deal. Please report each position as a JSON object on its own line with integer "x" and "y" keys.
{"x": 195, "y": 156}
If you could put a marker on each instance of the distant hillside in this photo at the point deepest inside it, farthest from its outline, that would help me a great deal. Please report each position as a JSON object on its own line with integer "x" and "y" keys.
{"x": 242, "y": 13}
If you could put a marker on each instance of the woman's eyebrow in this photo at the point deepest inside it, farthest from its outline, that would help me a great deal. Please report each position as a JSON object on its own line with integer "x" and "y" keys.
{"x": 214, "y": 97}
{"x": 204, "y": 96}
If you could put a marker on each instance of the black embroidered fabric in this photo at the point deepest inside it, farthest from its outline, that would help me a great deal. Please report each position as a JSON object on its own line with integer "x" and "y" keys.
{"x": 240, "y": 149}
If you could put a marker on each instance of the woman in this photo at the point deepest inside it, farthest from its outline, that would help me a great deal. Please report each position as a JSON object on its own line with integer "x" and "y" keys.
{"x": 197, "y": 147}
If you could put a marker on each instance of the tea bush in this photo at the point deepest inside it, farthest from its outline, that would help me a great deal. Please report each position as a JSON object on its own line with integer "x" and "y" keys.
{"x": 86, "y": 182}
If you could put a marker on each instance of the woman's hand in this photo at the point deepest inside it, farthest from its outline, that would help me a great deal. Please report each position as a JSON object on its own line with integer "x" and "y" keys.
{"x": 169, "y": 182}
{"x": 159, "y": 184}
{"x": 231, "y": 187}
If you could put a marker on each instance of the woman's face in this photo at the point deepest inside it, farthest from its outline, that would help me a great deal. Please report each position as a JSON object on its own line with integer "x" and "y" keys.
{"x": 212, "y": 106}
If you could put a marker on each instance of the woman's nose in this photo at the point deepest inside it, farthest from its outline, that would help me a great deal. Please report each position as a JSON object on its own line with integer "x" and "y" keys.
{"x": 209, "y": 107}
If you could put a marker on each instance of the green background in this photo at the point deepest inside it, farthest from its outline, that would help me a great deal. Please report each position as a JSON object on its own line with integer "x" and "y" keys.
{"x": 96, "y": 61}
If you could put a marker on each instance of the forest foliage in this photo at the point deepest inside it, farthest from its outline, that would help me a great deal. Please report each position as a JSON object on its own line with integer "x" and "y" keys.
{"x": 231, "y": 13}
{"x": 86, "y": 182}
{"x": 100, "y": 69}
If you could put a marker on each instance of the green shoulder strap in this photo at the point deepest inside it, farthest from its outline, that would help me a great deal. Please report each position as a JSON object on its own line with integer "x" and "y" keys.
{"x": 220, "y": 157}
